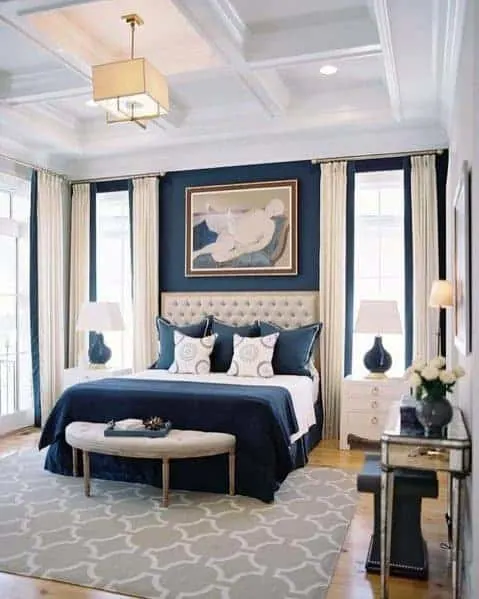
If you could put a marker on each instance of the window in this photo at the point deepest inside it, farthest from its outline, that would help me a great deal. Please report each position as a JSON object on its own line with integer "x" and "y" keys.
{"x": 379, "y": 256}
{"x": 16, "y": 389}
{"x": 113, "y": 269}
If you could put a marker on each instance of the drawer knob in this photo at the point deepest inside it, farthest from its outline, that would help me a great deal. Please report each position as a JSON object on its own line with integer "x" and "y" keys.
{"x": 375, "y": 390}
{"x": 374, "y": 404}
{"x": 374, "y": 420}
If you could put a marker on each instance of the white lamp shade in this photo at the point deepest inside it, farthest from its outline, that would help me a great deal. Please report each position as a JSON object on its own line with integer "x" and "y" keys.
{"x": 442, "y": 294}
{"x": 100, "y": 316}
{"x": 378, "y": 317}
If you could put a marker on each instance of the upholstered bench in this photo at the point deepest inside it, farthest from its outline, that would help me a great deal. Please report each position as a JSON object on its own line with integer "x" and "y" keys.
{"x": 89, "y": 437}
{"x": 408, "y": 549}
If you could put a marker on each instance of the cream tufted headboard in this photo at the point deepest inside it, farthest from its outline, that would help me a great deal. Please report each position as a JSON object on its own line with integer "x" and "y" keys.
{"x": 284, "y": 308}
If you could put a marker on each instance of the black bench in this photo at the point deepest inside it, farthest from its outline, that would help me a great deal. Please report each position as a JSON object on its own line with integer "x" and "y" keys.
{"x": 408, "y": 549}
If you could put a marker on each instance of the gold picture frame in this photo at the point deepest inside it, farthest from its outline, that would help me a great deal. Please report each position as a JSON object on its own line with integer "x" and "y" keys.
{"x": 242, "y": 229}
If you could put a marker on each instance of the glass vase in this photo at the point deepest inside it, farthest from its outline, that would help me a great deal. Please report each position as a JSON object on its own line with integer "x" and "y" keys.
{"x": 434, "y": 412}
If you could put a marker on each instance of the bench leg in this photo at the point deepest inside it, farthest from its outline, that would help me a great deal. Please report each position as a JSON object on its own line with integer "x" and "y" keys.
{"x": 75, "y": 461}
{"x": 232, "y": 472}
{"x": 166, "y": 480}
{"x": 86, "y": 472}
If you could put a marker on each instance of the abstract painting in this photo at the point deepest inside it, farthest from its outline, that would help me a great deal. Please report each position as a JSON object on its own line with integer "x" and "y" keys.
{"x": 242, "y": 229}
{"x": 462, "y": 263}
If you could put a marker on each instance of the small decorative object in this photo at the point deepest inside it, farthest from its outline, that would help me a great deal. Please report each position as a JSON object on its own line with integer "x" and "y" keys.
{"x": 378, "y": 317}
{"x": 431, "y": 382}
{"x": 95, "y": 317}
{"x": 154, "y": 423}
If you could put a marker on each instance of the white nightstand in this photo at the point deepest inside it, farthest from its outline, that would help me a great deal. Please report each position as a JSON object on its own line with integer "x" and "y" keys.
{"x": 72, "y": 376}
{"x": 365, "y": 404}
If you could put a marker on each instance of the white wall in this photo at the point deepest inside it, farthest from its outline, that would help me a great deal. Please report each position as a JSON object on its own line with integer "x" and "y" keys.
{"x": 462, "y": 142}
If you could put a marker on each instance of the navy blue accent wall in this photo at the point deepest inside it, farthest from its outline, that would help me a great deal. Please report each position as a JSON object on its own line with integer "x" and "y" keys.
{"x": 92, "y": 282}
{"x": 35, "y": 350}
{"x": 172, "y": 227}
{"x": 442, "y": 161}
{"x": 349, "y": 287}
{"x": 408, "y": 263}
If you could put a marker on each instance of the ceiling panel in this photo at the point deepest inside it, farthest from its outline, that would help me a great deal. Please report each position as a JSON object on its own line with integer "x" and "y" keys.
{"x": 20, "y": 54}
{"x": 253, "y": 11}
{"x": 96, "y": 33}
{"x": 213, "y": 89}
{"x": 306, "y": 78}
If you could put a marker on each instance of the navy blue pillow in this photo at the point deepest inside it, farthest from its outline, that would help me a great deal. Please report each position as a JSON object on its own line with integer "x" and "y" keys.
{"x": 294, "y": 347}
{"x": 166, "y": 336}
{"x": 223, "y": 350}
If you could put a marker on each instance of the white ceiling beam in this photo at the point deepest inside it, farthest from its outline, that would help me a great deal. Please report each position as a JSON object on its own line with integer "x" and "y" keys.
{"x": 329, "y": 55}
{"x": 38, "y": 86}
{"x": 310, "y": 36}
{"x": 28, "y": 124}
{"x": 381, "y": 12}
{"x": 227, "y": 35}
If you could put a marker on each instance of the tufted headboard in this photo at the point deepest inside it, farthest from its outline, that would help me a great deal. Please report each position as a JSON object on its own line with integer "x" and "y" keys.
{"x": 284, "y": 308}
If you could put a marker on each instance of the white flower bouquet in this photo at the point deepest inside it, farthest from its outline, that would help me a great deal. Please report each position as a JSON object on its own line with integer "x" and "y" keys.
{"x": 431, "y": 380}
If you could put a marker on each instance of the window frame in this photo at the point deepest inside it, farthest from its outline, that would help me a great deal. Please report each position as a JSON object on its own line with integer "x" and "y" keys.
{"x": 364, "y": 166}
{"x": 97, "y": 188}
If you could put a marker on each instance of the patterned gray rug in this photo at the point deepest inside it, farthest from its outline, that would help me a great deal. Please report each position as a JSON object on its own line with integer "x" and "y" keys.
{"x": 204, "y": 546}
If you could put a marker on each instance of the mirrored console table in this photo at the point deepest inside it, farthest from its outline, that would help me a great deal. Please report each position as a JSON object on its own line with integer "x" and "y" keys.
{"x": 408, "y": 448}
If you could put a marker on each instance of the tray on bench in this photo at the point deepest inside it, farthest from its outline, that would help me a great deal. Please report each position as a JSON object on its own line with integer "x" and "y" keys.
{"x": 111, "y": 431}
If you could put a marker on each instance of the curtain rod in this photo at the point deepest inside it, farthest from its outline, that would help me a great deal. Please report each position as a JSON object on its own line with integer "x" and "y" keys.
{"x": 375, "y": 156}
{"x": 118, "y": 178}
{"x": 34, "y": 167}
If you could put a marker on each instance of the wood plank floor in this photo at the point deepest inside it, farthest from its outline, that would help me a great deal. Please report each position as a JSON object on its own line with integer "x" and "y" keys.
{"x": 350, "y": 580}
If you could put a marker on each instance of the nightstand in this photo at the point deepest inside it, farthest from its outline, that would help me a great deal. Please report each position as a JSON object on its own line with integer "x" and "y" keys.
{"x": 365, "y": 405}
{"x": 72, "y": 376}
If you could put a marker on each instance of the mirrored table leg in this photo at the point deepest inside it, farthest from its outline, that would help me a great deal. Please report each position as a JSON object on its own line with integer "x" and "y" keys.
{"x": 387, "y": 493}
{"x": 456, "y": 499}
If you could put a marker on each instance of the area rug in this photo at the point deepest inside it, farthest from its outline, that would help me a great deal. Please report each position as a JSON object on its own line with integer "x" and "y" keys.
{"x": 203, "y": 546}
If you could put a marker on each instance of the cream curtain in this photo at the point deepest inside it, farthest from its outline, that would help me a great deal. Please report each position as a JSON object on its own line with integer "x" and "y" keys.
{"x": 425, "y": 253}
{"x": 331, "y": 286}
{"x": 79, "y": 269}
{"x": 145, "y": 271}
{"x": 52, "y": 194}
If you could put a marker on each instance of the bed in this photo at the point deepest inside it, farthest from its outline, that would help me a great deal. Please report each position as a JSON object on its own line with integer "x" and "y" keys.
{"x": 276, "y": 420}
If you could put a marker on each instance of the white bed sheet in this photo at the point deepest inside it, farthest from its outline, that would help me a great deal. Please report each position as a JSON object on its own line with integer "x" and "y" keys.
{"x": 303, "y": 390}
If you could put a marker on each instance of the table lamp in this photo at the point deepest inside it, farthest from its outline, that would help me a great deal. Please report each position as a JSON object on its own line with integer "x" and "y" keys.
{"x": 378, "y": 317}
{"x": 441, "y": 296}
{"x": 97, "y": 317}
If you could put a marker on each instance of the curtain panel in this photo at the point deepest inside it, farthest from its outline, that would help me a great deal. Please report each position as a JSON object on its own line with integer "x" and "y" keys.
{"x": 79, "y": 269}
{"x": 145, "y": 223}
{"x": 332, "y": 289}
{"x": 425, "y": 253}
{"x": 52, "y": 193}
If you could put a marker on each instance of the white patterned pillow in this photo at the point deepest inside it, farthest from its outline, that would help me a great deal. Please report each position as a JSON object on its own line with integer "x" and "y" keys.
{"x": 252, "y": 356}
{"x": 192, "y": 355}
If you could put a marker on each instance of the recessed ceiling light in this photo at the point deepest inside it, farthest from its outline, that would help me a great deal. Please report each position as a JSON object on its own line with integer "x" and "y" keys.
{"x": 91, "y": 103}
{"x": 328, "y": 69}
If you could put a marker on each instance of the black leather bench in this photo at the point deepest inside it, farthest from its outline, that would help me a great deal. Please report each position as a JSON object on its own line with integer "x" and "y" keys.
{"x": 408, "y": 549}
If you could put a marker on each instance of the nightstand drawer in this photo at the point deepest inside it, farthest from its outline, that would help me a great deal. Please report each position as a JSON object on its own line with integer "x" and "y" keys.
{"x": 373, "y": 403}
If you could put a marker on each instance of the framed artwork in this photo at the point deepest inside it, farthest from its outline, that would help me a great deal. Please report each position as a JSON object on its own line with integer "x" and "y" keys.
{"x": 462, "y": 263}
{"x": 242, "y": 229}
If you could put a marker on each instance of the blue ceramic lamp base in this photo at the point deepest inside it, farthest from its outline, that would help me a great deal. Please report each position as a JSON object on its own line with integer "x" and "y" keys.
{"x": 98, "y": 353}
{"x": 377, "y": 360}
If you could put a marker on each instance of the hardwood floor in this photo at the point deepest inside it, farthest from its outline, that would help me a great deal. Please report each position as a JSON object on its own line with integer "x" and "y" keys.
{"x": 350, "y": 580}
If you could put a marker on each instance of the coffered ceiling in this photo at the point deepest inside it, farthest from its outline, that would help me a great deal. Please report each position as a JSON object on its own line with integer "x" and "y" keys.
{"x": 244, "y": 79}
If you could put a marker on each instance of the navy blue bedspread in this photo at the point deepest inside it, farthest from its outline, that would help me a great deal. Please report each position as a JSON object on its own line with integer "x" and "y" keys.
{"x": 261, "y": 418}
